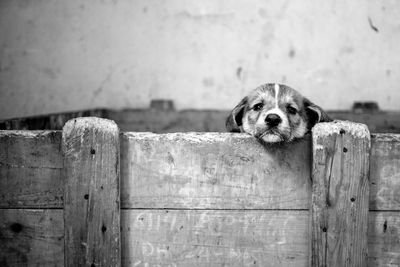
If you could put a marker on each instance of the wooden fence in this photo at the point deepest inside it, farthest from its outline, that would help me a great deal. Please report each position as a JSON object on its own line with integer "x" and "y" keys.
{"x": 89, "y": 195}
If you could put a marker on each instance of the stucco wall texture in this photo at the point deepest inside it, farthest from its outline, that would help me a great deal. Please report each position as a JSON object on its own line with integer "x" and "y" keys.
{"x": 58, "y": 55}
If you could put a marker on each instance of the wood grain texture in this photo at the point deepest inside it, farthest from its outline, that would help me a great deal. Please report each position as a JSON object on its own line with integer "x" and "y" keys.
{"x": 214, "y": 238}
{"x": 213, "y": 170}
{"x": 385, "y": 172}
{"x": 30, "y": 169}
{"x": 35, "y": 238}
{"x": 31, "y": 162}
{"x": 91, "y": 207}
{"x": 340, "y": 194}
{"x": 384, "y": 239}
{"x": 31, "y": 237}
{"x": 31, "y": 149}
{"x": 238, "y": 238}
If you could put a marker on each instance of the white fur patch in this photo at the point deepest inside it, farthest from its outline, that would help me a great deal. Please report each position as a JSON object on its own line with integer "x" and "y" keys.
{"x": 271, "y": 138}
{"x": 301, "y": 130}
{"x": 276, "y": 95}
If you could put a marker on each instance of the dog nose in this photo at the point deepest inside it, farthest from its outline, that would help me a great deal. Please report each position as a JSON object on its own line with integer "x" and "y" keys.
{"x": 273, "y": 120}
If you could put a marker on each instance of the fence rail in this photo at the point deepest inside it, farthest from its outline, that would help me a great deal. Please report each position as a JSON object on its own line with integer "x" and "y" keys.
{"x": 198, "y": 199}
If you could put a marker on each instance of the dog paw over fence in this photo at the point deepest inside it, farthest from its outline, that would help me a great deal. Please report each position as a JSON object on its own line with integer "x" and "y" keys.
{"x": 92, "y": 196}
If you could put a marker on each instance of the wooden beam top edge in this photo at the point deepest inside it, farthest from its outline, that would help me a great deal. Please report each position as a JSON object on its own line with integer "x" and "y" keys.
{"x": 357, "y": 130}
{"x": 104, "y": 125}
{"x": 385, "y": 137}
{"x": 191, "y": 137}
{"x": 28, "y": 133}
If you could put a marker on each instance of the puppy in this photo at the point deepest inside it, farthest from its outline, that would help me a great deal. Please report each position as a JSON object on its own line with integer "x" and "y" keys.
{"x": 275, "y": 113}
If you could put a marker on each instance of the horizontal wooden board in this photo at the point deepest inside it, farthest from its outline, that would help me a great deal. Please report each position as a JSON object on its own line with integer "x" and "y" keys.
{"x": 31, "y": 187}
{"x": 212, "y": 170}
{"x": 385, "y": 172}
{"x": 214, "y": 238}
{"x": 191, "y": 237}
{"x": 31, "y": 162}
{"x": 31, "y": 237}
{"x": 238, "y": 238}
{"x": 384, "y": 239}
{"x": 31, "y": 149}
{"x": 30, "y": 169}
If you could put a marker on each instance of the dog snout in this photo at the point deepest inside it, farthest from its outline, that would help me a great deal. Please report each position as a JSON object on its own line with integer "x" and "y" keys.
{"x": 273, "y": 120}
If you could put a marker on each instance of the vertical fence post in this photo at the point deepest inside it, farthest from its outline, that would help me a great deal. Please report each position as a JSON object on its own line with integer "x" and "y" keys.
{"x": 91, "y": 197}
{"x": 340, "y": 194}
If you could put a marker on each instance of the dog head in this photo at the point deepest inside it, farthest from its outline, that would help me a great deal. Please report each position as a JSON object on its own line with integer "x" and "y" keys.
{"x": 275, "y": 113}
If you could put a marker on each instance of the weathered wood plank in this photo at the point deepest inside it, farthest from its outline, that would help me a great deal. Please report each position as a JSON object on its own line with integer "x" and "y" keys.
{"x": 31, "y": 149}
{"x": 385, "y": 172}
{"x": 91, "y": 207}
{"x": 340, "y": 194}
{"x": 35, "y": 237}
{"x": 212, "y": 170}
{"x": 31, "y": 187}
{"x": 384, "y": 239}
{"x": 31, "y": 161}
{"x": 31, "y": 237}
{"x": 214, "y": 238}
{"x": 238, "y": 238}
{"x": 30, "y": 169}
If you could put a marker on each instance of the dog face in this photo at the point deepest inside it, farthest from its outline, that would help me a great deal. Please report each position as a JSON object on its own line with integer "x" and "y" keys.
{"x": 275, "y": 113}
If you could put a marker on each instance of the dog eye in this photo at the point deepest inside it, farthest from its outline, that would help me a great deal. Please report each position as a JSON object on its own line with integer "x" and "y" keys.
{"x": 258, "y": 106}
{"x": 291, "y": 110}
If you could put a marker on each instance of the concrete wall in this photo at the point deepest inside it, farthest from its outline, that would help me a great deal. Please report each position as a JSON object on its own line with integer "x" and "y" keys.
{"x": 60, "y": 55}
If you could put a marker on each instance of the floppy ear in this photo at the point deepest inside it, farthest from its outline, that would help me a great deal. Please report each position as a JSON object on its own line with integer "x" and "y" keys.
{"x": 315, "y": 113}
{"x": 234, "y": 120}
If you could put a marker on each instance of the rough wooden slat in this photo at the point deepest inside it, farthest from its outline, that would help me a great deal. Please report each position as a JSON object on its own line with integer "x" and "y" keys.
{"x": 91, "y": 207}
{"x": 31, "y": 187}
{"x": 39, "y": 242}
{"x": 214, "y": 238}
{"x": 212, "y": 170}
{"x": 30, "y": 169}
{"x": 238, "y": 238}
{"x": 384, "y": 239}
{"x": 37, "y": 187}
{"x": 340, "y": 194}
{"x": 31, "y": 149}
{"x": 385, "y": 172}
{"x": 31, "y": 237}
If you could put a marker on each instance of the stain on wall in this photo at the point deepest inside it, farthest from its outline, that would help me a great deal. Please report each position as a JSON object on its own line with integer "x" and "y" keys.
{"x": 69, "y": 55}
